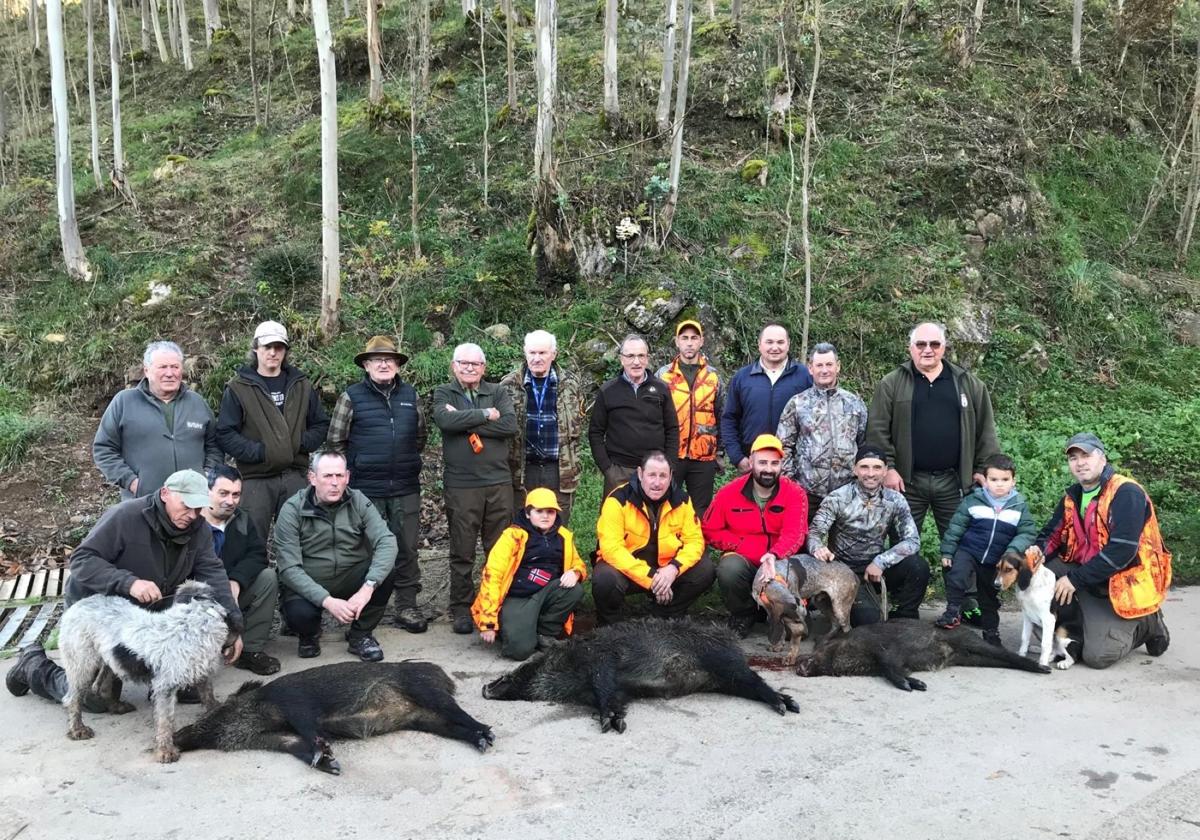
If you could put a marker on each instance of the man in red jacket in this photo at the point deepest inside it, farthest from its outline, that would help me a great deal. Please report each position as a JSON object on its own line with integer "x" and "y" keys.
{"x": 758, "y": 518}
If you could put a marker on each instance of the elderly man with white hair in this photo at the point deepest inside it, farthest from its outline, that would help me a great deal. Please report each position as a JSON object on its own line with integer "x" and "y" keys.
{"x": 548, "y": 400}
{"x": 156, "y": 428}
{"x": 477, "y": 422}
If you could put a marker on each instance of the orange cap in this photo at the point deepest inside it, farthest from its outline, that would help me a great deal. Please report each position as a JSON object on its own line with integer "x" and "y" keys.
{"x": 767, "y": 442}
{"x": 682, "y": 325}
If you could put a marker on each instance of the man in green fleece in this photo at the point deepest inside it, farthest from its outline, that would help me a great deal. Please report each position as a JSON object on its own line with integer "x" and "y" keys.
{"x": 334, "y": 552}
{"x": 478, "y": 422}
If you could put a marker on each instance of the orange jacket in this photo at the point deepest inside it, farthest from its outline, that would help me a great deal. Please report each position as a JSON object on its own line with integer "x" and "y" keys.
{"x": 624, "y": 527}
{"x": 502, "y": 563}
{"x": 698, "y": 409}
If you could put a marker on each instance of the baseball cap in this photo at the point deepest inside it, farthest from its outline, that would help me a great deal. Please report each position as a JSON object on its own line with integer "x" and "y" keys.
{"x": 270, "y": 332}
{"x": 865, "y": 452}
{"x": 1086, "y": 441}
{"x": 767, "y": 442}
{"x": 542, "y": 498}
{"x": 682, "y": 325}
{"x": 191, "y": 487}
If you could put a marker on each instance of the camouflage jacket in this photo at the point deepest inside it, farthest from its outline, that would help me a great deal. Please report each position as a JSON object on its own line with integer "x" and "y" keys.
{"x": 862, "y": 525}
{"x": 571, "y": 417}
{"x": 821, "y": 430}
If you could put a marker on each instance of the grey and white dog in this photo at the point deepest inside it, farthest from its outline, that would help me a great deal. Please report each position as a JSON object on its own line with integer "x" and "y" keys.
{"x": 105, "y": 637}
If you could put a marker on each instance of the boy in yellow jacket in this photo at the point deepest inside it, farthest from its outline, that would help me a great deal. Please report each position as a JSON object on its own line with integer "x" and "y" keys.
{"x": 530, "y": 585}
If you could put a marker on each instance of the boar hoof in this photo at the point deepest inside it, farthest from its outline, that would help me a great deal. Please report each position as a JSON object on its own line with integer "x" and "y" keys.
{"x": 484, "y": 739}
{"x": 915, "y": 684}
{"x": 323, "y": 759}
{"x": 80, "y": 733}
{"x": 786, "y": 704}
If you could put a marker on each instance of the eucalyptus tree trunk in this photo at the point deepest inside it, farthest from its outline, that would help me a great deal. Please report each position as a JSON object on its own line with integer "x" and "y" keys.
{"x": 486, "y": 121}
{"x": 510, "y": 49}
{"x": 185, "y": 39}
{"x": 114, "y": 57}
{"x": 1077, "y": 38}
{"x": 144, "y": 10}
{"x": 172, "y": 29}
{"x": 374, "y": 52}
{"x": 681, "y": 91}
{"x": 735, "y": 12}
{"x": 163, "y": 55}
{"x": 346, "y": 9}
{"x": 612, "y": 105}
{"x": 810, "y": 130}
{"x": 35, "y": 30}
{"x": 662, "y": 116}
{"x": 415, "y": 98}
{"x": 1187, "y": 218}
{"x": 254, "y": 71}
{"x": 551, "y": 241}
{"x": 212, "y": 20}
{"x": 291, "y": 9}
{"x": 424, "y": 47}
{"x": 331, "y": 282}
{"x": 68, "y": 227}
{"x": 89, "y": 13}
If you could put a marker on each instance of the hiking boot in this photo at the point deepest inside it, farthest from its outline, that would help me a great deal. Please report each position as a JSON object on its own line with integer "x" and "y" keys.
{"x": 366, "y": 648}
{"x": 992, "y": 637}
{"x": 1157, "y": 644}
{"x": 463, "y": 625}
{"x": 17, "y": 678}
{"x": 971, "y": 613}
{"x": 410, "y": 619}
{"x": 257, "y": 662}
{"x": 309, "y": 647}
{"x": 741, "y": 625}
{"x": 950, "y": 619}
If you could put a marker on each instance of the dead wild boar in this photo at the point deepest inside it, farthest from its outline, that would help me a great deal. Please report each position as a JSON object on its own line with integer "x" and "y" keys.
{"x": 300, "y": 713}
{"x": 643, "y": 658}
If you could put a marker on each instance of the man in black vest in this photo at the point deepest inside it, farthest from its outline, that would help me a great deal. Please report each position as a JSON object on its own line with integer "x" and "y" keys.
{"x": 380, "y": 428}
{"x": 270, "y": 420}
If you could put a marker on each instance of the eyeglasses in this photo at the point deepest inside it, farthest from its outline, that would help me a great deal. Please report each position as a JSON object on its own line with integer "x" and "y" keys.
{"x": 378, "y": 360}
{"x": 461, "y": 363}
{"x": 635, "y": 356}
{"x": 932, "y": 345}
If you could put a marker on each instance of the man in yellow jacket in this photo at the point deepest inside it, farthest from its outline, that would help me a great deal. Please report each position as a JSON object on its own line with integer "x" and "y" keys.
{"x": 650, "y": 542}
{"x": 530, "y": 585}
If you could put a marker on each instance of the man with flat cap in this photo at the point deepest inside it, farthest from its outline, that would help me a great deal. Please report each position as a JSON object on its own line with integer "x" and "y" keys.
{"x": 1104, "y": 545}
{"x": 379, "y": 426}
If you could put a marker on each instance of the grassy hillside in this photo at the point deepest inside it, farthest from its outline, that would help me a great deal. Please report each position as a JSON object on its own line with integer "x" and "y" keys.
{"x": 1072, "y": 327}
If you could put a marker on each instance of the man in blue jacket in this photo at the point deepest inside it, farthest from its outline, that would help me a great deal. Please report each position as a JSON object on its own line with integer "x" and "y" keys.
{"x": 758, "y": 393}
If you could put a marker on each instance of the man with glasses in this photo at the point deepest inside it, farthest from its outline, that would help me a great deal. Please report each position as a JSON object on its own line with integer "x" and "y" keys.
{"x": 477, "y": 422}
{"x": 380, "y": 428}
{"x": 633, "y": 414}
{"x": 933, "y": 420}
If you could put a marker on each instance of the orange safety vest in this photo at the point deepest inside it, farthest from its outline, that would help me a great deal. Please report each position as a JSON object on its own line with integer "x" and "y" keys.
{"x": 696, "y": 408}
{"x": 1138, "y": 590}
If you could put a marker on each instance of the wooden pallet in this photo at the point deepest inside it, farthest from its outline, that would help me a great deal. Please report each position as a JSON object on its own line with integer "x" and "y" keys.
{"x": 45, "y": 590}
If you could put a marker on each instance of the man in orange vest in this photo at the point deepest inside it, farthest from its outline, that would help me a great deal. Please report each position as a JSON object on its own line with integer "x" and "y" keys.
{"x": 695, "y": 387}
{"x": 1105, "y": 547}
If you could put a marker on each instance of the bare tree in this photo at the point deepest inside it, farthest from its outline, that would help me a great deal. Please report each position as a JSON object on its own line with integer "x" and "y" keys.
{"x": 374, "y": 52}
{"x": 291, "y": 11}
{"x": 254, "y": 70}
{"x": 331, "y": 281}
{"x": 681, "y": 92}
{"x": 89, "y": 13}
{"x": 172, "y": 29}
{"x": 144, "y": 10}
{"x": 114, "y": 55}
{"x": 510, "y": 49}
{"x": 551, "y": 243}
{"x": 662, "y": 116}
{"x": 486, "y": 121}
{"x": 4, "y": 123}
{"x": 1191, "y": 204}
{"x": 68, "y": 228}
{"x": 469, "y": 8}
{"x": 735, "y": 12}
{"x": 35, "y": 31}
{"x": 416, "y": 97}
{"x": 212, "y": 20}
{"x": 424, "y": 46}
{"x": 185, "y": 40}
{"x": 612, "y": 105}
{"x": 163, "y": 55}
{"x": 346, "y": 10}
{"x": 810, "y": 129}
{"x": 1077, "y": 38}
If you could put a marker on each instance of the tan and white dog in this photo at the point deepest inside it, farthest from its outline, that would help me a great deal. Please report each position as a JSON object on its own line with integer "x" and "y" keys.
{"x": 1035, "y": 594}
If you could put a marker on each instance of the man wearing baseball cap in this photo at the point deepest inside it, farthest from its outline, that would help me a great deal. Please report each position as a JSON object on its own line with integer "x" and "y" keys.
{"x": 270, "y": 420}
{"x": 379, "y": 426}
{"x": 141, "y": 549}
{"x": 695, "y": 387}
{"x": 855, "y": 523}
{"x": 758, "y": 518}
{"x": 1104, "y": 545}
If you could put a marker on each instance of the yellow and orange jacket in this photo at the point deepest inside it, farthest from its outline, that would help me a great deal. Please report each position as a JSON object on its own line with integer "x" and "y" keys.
{"x": 502, "y": 563}
{"x": 624, "y": 527}
{"x": 698, "y": 409}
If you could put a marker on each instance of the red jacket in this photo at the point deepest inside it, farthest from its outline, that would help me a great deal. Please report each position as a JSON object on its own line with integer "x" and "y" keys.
{"x": 734, "y": 521}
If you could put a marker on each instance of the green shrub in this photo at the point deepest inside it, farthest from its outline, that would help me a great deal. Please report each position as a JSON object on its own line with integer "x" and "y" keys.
{"x": 18, "y": 432}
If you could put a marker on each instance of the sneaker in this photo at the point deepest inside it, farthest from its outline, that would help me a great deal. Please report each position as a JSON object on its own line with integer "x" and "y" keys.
{"x": 463, "y": 625}
{"x": 992, "y": 637}
{"x": 310, "y": 647}
{"x": 741, "y": 625}
{"x": 1157, "y": 644}
{"x": 410, "y": 619}
{"x": 188, "y": 696}
{"x": 949, "y": 619}
{"x": 257, "y": 662}
{"x": 971, "y": 613}
{"x": 366, "y": 648}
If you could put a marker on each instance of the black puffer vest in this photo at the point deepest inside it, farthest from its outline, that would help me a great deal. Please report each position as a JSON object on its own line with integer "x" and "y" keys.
{"x": 382, "y": 451}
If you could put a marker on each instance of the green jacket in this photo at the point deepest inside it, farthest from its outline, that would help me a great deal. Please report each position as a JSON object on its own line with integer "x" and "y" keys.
{"x": 463, "y": 467}
{"x": 316, "y": 545}
{"x": 571, "y": 416}
{"x": 889, "y": 421}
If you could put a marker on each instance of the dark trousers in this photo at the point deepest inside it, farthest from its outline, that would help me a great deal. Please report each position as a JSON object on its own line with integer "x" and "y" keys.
{"x": 303, "y": 616}
{"x": 609, "y": 588}
{"x": 403, "y": 517}
{"x": 938, "y": 492}
{"x": 544, "y": 475}
{"x": 698, "y": 477}
{"x": 262, "y": 497}
{"x": 814, "y": 504}
{"x": 473, "y": 512}
{"x": 735, "y": 575}
{"x": 958, "y": 583}
{"x": 1106, "y": 637}
{"x": 614, "y": 477}
{"x": 906, "y": 584}
{"x": 543, "y": 613}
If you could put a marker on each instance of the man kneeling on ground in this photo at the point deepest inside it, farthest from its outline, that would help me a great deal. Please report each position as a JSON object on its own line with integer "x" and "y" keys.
{"x": 530, "y": 585}
{"x": 335, "y": 553}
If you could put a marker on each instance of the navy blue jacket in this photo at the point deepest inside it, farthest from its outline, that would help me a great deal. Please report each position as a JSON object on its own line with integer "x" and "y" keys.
{"x": 978, "y": 530}
{"x": 383, "y": 450}
{"x": 753, "y": 404}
